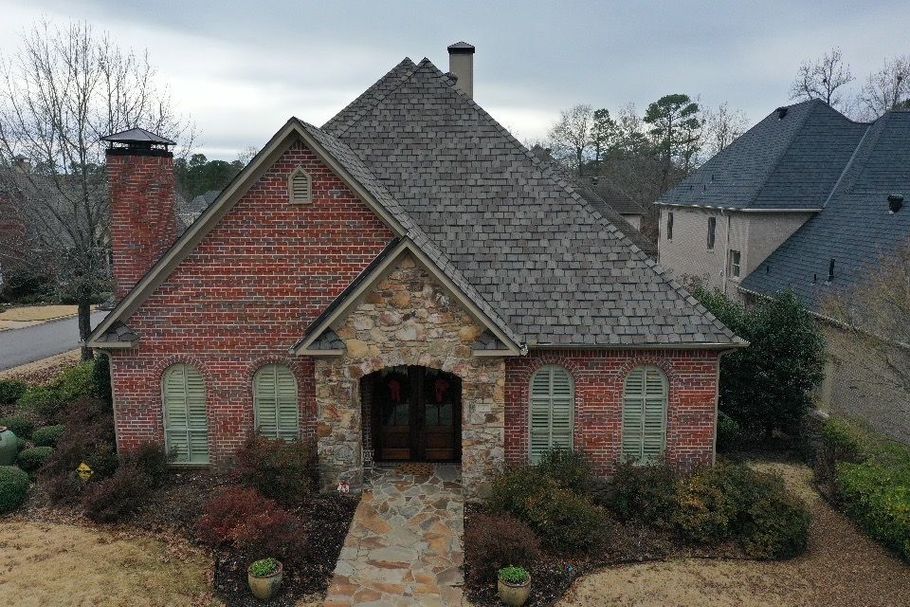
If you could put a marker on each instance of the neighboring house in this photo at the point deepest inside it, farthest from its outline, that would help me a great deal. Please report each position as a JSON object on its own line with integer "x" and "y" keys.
{"x": 189, "y": 211}
{"x": 614, "y": 196}
{"x": 806, "y": 201}
{"x": 406, "y": 282}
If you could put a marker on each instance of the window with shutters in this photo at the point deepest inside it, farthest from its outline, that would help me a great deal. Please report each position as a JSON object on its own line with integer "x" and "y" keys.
{"x": 186, "y": 425}
{"x": 552, "y": 411}
{"x": 300, "y": 187}
{"x": 275, "y": 402}
{"x": 644, "y": 415}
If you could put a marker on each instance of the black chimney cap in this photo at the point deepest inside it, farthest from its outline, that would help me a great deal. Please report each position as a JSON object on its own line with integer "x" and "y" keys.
{"x": 781, "y": 112}
{"x": 461, "y": 48}
{"x": 138, "y": 136}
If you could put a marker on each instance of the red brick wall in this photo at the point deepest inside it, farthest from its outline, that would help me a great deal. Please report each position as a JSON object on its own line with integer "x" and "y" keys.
{"x": 599, "y": 377}
{"x": 143, "y": 212}
{"x": 242, "y": 298}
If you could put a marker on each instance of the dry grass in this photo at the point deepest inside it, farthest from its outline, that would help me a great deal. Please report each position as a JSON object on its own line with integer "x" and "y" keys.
{"x": 841, "y": 567}
{"x": 26, "y": 316}
{"x": 42, "y": 371}
{"x": 69, "y": 566}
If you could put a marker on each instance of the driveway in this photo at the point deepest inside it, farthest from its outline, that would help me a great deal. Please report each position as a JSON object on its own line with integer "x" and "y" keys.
{"x": 20, "y": 346}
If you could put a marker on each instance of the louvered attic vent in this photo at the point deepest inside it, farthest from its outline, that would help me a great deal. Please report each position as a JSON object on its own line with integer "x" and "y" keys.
{"x": 300, "y": 187}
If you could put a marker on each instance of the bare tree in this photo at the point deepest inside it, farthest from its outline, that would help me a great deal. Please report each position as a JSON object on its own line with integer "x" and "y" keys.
{"x": 63, "y": 90}
{"x": 723, "y": 126}
{"x": 874, "y": 318}
{"x": 822, "y": 79}
{"x": 886, "y": 89}
{"x": 570, "y": 137}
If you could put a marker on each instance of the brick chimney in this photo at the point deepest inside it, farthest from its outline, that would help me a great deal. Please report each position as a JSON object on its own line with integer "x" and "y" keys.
{"x": 140, "y": 168}
{"x": 461, "y": 63}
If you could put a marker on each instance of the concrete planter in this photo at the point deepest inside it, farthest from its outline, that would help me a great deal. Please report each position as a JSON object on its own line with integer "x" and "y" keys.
{"x": 514, "y": 595}
{"x": 265, "y": 587}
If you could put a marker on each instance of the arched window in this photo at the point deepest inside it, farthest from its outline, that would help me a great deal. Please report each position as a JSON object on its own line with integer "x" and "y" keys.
{"x": 644, "y": 415}
{"x": 186, "y": 425}
{"x": 300, "y": 187}
{"x": 275, "y": 402}
{"x": 552, "y": 411}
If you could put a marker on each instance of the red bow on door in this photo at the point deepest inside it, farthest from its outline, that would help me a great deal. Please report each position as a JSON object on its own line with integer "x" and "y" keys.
{"x": 440, "y": 387}
{"x": 395, "y": 390}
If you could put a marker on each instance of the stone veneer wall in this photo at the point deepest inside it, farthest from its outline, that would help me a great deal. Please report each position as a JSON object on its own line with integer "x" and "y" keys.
{"x": 409, "y": 319}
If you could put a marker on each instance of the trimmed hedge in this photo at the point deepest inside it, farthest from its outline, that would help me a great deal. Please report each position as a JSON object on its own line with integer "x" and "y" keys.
{"x": 32, "y": 459}
{"x": 13, "y": 488}
{"x": 11, "y": 390}
{"x": 281, "y": 470}
{"x": 71, "y": 385}
{"x": 492, "y": 542}
{"x": 48, "y": 436}
{"x": 21, "y": 425}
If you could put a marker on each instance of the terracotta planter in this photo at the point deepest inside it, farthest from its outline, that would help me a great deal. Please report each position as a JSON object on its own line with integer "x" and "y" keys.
{"x": 514, "y": 595}
{"x": 264, "y": 588}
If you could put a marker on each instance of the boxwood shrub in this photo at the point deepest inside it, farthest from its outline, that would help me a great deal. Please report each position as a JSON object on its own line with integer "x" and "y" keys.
{"x": 33, "y": 458}
{"x": 13, "y": 488}
{"x": 47, "y": 436}
{"x": 21, "y": 425}
{"x": 11, "y": 390}
{"x": 71, "y": 385}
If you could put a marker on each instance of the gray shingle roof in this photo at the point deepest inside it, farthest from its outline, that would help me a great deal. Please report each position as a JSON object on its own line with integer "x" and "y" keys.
{"x": 614, "y": 196}
{"x": 544, "y": 258}
{"x": 855, "y": 228}
{"x": 780, "y": 163}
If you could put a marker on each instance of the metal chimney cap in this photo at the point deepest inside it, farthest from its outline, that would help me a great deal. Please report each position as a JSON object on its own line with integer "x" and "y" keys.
{"x": 138, "y": 136}
{"x": 461, "y": 48}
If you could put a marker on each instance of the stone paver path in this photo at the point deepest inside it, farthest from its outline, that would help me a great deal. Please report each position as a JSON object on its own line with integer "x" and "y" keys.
{"x": 404, "y": 546}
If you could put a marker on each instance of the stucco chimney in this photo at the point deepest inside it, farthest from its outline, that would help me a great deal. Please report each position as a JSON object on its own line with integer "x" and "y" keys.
{"x": 140, "y": 168}
{"x": 461, "y": 63}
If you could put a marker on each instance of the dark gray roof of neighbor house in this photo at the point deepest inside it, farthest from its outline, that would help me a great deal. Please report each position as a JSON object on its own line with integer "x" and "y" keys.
{"x": 202, "y": 201}
{"x": 614, "y": 196}
{"x": 790, "y": 160}
{"x": 537, "y": 252}
{"x": 855, "y": 229}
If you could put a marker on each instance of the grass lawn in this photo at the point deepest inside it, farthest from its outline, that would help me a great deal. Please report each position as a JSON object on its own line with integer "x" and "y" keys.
{"x": 841, "y": 567}
{"x": 68, "y": 565}
{"x": 26, "y": 316}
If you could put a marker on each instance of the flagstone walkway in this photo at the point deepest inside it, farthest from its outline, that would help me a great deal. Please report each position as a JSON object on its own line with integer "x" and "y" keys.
{"x": 404, "y": 545}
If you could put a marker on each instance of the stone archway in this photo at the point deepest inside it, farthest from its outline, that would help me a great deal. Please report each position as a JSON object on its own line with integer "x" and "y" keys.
{"x": 408, "y": 319}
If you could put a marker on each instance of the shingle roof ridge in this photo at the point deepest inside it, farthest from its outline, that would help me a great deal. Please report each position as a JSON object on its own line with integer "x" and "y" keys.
{"x": 356, "y": 109}
{"x": 855, "y": 165}
{"x": 642, "y": 256}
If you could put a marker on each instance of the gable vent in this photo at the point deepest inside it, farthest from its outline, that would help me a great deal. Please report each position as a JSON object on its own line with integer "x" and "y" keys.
{"x": 300, "y": 187}
{"x": 895, "y": 203}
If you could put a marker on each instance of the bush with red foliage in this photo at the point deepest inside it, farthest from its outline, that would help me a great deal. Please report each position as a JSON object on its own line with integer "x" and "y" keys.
{"x": 496, "y": 541}
{"x": 243, "y": 519}
{"x": 113, "y": 499}
{"x": 282, "y": 470}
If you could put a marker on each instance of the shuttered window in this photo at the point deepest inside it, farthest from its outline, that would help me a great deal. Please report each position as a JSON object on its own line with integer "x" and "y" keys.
{"x": 186, "y": 425}
{"x": 275, "y": 403}
{"x": 552, "y": 410}
{"x": 300, "y": 187}
{"x": 644, "y": 415}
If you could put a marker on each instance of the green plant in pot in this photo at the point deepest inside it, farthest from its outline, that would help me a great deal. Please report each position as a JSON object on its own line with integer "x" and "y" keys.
{"x": 264, "y": 577}
{"x": 514, "y": 586}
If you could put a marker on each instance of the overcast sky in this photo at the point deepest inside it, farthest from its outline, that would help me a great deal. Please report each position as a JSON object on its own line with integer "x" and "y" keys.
{"x": 240, "y": 69}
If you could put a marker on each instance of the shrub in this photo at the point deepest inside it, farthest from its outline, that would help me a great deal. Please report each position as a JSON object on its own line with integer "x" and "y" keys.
{"x": 152, "y": 460}
{"x": 49, "y": 401}
{"x": 644, "y": 494}
{"x": 101, "y": 379}
{"x": 48, "y": 436}
{"x": 33, "y": 458}
{"x": 42, "y": 401}
{"x": 513, "y": 491}
{"x": 495, "y": 541}
{"x": 242, "y": 518}
{"x": 729, "y": 433}
{"x": 878, "y": 498}
{"x": 706, "y": 506}
{"x": 570, "y": 469}
{"x": 567, "y": 522}
{"x": 21, "y": 425}
{"x": 282, "y": 470}
{"x": 13, "y": 488}
{"x": 772, "y": 523}
{"x": 11, "y": 391}
{"x": 113, "y": 499}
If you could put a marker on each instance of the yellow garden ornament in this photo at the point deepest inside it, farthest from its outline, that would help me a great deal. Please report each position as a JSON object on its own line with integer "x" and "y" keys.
{"x": 85, "y": 471}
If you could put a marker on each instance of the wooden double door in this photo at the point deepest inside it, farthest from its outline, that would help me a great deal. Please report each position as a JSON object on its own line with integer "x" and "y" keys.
{"x": 416, "y": 415}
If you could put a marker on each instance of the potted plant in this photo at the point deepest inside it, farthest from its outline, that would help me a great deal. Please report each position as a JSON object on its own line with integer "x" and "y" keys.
{"x": 264, "y": 577}
{"x": 514, "y": 586}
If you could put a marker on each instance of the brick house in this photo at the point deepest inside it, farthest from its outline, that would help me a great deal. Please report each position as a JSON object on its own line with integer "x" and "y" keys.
{"x": 406, "y": 282}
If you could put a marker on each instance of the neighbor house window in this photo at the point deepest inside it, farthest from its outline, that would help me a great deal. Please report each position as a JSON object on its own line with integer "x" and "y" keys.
{"x": 734, "y": 263}
{"x": 186, "y": 425}
{"x": 712, "y": 228}
{"x": 275, "y": 403}
{"x": 644, "y": 415}
{"x": 300, "y": 187}
{"x": 552, "y": 411}
{"x": 669, "y": 226}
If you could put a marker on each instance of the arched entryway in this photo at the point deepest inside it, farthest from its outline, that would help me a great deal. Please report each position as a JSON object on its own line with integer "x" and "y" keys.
{"x": 411, "y": 413}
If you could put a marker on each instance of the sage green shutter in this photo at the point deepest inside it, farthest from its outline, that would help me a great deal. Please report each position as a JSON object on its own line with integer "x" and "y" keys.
{"x": 275, "y": 403}
{"x": 551, "y": 411}
{"x": 644, "y": 415}
{"x": 186, "y": 425}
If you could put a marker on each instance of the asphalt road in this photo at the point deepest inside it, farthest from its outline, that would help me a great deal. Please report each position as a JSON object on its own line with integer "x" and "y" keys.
{"x": 20, "y": 346}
